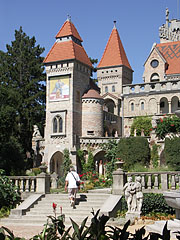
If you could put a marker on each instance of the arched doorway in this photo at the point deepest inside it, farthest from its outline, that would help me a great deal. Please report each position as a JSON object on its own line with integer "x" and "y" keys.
{"x": 100, "y": 162}
{"x": 56, "y": 164}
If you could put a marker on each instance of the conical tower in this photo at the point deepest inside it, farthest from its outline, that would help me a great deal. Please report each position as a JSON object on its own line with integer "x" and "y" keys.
{"x": 114, "y": 69}
{"x": 68, "y": 70}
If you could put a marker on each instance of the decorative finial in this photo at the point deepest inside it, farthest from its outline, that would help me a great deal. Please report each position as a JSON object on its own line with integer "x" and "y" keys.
{"x": 167, "y": 16}
{"x": 68, "y": 18}
{"x": 114, "y": 24}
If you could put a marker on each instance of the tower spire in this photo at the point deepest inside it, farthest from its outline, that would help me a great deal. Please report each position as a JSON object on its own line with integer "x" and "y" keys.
{"x": 114, "y": 24}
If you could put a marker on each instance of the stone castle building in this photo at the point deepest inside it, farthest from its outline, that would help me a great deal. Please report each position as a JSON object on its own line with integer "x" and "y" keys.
{"x": 80, "y": 114}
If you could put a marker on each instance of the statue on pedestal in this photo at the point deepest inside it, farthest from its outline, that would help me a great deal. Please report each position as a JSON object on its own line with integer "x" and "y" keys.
{"x": 133, "y": 195}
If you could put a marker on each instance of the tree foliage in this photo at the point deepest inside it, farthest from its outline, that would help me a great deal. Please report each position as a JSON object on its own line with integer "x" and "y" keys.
{"x": 66, "y": 161}
{"x": 133, "y": 150}
{"x": 22, "y": 95}
{"x": 141, "y": 124}
{"x": 172, "y": 152}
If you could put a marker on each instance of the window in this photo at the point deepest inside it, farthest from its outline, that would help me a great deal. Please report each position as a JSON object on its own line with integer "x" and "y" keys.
{"x": 90, "y": 132}
{"x": 162, "y": 104}
{"x": 154, "y": 63}
{"x": 113, "y": 88}
{"x": 57, "y": 125}
{"x": 106, "y": 89}
{"x": 142, "y": 105}
{"x": 132, "y": 106}
{"x": 154, "y": 77}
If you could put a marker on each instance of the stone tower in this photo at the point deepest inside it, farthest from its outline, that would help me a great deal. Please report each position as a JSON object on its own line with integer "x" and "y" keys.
{"x": 68, "y": 70}
{"x": 92, "y": 114}
{"x": 114, "y": 69}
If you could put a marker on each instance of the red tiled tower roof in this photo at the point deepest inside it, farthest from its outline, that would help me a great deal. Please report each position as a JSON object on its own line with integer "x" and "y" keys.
{"x": 171, "y": 53}
{"x": 68, "y": 29}
{"x": 68, "y": 49}
{"x": 92, "y": 93}
{"x": 114, "y": 53}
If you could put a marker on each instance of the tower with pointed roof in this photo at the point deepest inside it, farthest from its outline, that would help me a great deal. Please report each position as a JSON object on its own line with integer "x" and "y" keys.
{"x": 114, "y": 69}
{"x": 68, "y": 70}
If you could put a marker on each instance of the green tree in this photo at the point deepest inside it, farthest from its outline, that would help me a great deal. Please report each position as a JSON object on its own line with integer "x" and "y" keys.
{"x": 21, "y": 79}
{"x": 141, "y": 123}
{"x": 89, "y": 166}
{"x": 172, "y": 152}
{"x": 154, "y": 155}
{"x": 133, "y": 150}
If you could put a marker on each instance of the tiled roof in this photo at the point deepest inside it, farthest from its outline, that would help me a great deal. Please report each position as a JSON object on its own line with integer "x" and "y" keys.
{"x": 171, "y": 53}
{"x": 68, "y": 29}
{"x": 92, "y": 93}
{"x": 67, "y": 50}
{"x": 114, "y": 54}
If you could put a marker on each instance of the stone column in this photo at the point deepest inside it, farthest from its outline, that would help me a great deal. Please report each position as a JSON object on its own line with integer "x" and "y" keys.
{"x": 118, "y": 180}
{"x": 158, "y": 108}
{"x": 169, "y": 105}
{"x": 43, "y": 183}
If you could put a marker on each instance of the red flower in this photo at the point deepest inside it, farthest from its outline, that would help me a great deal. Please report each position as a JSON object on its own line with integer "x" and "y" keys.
{"x": 161, "y": 120}
{"x": 172, "y": 125}
{"x": 54, "y": 206}
{"x": 150, "y": 129}
{"x": 103, "y": 181}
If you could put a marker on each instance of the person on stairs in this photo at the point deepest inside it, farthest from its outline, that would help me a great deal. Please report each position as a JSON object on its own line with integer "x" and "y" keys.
{"x": 71, "y": 184}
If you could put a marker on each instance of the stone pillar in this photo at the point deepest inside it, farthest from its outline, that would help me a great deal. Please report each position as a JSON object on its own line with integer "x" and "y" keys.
{"x": 158, "y": 108}
{"x": 169, "y": 105}
{"x": 43, "y": 183}
{"x": 118, "y": 180}
{"x": 164, "y": 181}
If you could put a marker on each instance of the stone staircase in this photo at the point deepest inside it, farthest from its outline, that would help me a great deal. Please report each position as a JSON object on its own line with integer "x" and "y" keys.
{"x": 37, "y": 216}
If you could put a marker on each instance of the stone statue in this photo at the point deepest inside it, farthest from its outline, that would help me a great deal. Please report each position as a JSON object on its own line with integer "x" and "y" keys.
{"x": 133, "y": 195}
{"x": 129, "y": 192}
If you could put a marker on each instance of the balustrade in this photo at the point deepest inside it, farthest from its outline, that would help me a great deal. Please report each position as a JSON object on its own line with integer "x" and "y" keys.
{"x": 157, "y": 181}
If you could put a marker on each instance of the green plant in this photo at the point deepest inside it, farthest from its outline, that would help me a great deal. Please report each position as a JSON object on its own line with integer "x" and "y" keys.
{"x": 81, "y": 159}
{"x": 165, "y": 125}
{"x": 133, "y": 150}
{"x": 9, "y": 195}
{"x": 66, "y": 161}
{"x": 89, "y": 166}
{"x": 4, "y": 212}
{"x": 142, "y": 123}
{"x": 171, "y": 152}
{"x": 154, "y": 155}
{"x": 110, "y": 149}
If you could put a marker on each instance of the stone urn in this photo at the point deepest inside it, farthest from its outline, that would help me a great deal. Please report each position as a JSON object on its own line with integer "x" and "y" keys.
{"x": 173, "y": 200}
{"x": 43, "y": 168}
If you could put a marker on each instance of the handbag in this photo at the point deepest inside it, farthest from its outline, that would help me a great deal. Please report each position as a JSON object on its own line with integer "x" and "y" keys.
{"x": 77, "y": 182}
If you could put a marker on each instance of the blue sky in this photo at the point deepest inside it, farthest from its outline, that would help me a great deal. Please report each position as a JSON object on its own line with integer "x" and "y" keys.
{"x": 137, "y": 22}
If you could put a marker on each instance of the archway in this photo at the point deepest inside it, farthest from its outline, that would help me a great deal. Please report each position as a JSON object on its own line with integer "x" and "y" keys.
{"x": 164, "y": 106}
{"x": 109, "y": 105}
{"x": 174, "y": 104}
{"x": 56, "y": 164}
{"x": 100, "y": 162}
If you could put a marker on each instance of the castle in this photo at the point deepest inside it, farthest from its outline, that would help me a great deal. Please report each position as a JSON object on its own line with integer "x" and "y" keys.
{"x": 80, "y": 114}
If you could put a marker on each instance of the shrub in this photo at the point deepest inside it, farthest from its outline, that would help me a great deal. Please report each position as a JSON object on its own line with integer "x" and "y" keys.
{"x": 141, "y": 123}
{"x": 110, "y": 149}
{"x": 154, "y": 155}
{"x": 133, "y": 150}
{"x": 9, "y": 196}
{"x": 167, "y": 125}
{"x": 66, "y": 161}
{"x": 172, "y": 154}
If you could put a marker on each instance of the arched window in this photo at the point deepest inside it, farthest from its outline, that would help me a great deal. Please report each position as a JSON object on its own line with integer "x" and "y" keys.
{"x": 57, "y": 125}
{"x": 132, "y": 106}
{"x": 142, "y": 105}
{"x": 106, "y": 89}
{"x": 155, "y": 77}
{"x": 113, "y": 88}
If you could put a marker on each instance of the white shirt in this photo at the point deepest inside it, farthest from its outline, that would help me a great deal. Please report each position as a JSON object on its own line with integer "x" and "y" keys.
{"x": 71, "y": 180}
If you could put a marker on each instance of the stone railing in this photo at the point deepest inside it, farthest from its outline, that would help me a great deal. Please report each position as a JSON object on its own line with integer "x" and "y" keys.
{"x": 151, "y": 87}
{"x": 157, "y": 181}
{"x": 25, "y": 183}
{"x": 152, "y": 182}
